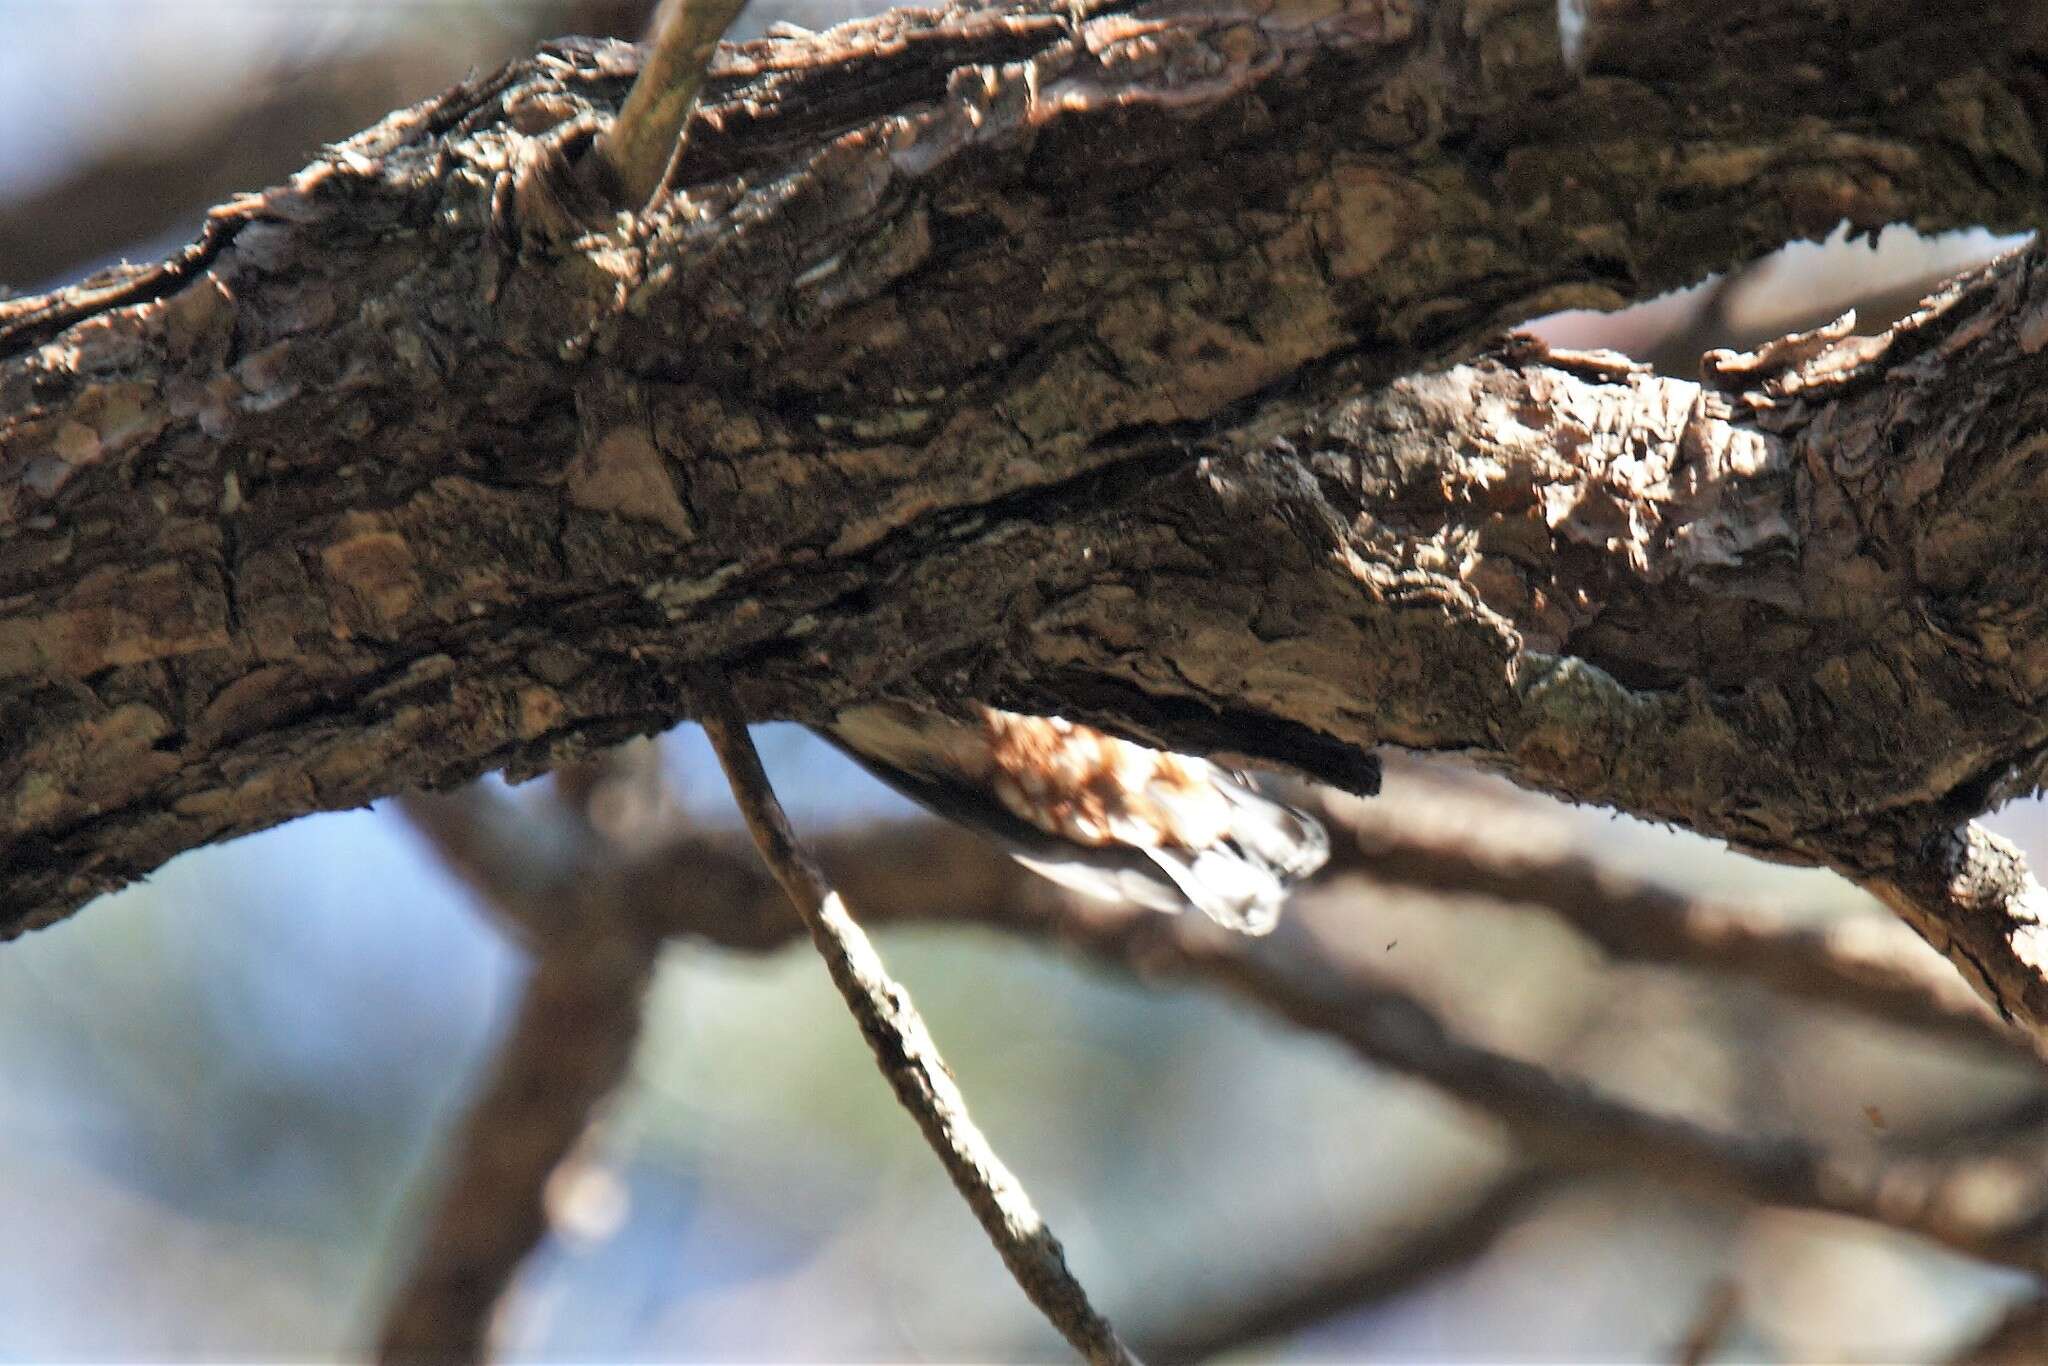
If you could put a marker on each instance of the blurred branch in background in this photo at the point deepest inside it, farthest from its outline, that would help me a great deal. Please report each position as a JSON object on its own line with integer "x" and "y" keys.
{"x": 1981, "y": 1190}
{"x": 1710, "y": 1327}
{"x": 1351, "y": 1276}
{"x": 150, "y": 187}
{"x": 1492, "y": 841}
{"x": 2019, "y": 1338}
{"x": 541, "y": 876}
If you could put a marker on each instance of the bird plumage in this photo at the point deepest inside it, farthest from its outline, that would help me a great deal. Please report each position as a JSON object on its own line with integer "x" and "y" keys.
{"x": 1095, "y": 813}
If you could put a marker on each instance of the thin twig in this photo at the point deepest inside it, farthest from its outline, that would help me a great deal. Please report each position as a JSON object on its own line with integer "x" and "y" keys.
{"x": 1352, "y": 1279}
{"x": 1871, "y": 964}
{"x": 910, "y": 1059}
{"x": 648, "y": 131}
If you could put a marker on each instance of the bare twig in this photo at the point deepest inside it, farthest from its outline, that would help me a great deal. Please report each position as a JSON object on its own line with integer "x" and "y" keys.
{"x": 1358, "y": 1277}
{"x": 910, "y": 1059}
{"x": 1870, "y": 964}
{"x": 645, "y": 137}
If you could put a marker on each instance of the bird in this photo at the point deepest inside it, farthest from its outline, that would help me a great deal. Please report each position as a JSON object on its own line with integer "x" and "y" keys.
{"x": 1094, "y": 813}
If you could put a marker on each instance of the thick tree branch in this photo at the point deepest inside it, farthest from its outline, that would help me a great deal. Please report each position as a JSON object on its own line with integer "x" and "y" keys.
{"x": 1036, "y": 355}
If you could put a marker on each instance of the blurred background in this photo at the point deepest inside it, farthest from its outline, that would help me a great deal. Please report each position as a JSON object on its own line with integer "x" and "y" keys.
{"x": 223, "y": 1093}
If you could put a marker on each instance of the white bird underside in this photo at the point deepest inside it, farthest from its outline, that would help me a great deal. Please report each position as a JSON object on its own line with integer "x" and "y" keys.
{"x": 1094, "y": 813}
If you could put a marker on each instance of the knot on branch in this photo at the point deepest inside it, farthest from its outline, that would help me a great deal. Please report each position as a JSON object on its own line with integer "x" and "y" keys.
{"x": 560, "y": 189}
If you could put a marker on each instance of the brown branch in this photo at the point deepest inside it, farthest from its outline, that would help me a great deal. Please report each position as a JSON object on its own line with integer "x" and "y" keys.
{"x": 1999, "y": 1125}
{"x": 1028, "y": 355}
{"x": 1354, "y": 1278}
{"x": 579, "y": 1017}
{"x": 1710, "y": 1325}
{"x": 578, "y": 1022}
{"x": 1485, "y": 847}
{"x": 1568, "y": 1121}
{"x": 910, "y": 1059}
{"x": 1971, "y": 895}
{"x": 919, "y": 872}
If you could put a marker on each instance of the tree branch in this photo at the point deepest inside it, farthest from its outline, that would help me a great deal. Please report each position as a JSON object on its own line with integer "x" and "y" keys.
{"x": 1353, "y": 1279}
{"x": 1040, "y": 355}
{"x": 579, "y": 1017}
{"x": 926, "y": 873}
{"x": 578, "y": 1022}
{"x": 1487, "y": 848}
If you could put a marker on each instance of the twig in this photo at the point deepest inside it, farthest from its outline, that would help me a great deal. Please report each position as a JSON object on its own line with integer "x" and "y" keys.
{"x": 648, "y": 131}
{"x": 1873, "y": 964}
{"x": 1357, "y": 1278}
{"x": 910, "y": 1059}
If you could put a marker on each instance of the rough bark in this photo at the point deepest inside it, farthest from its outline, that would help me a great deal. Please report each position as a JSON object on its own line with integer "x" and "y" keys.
{"x": 1043, "y": 355}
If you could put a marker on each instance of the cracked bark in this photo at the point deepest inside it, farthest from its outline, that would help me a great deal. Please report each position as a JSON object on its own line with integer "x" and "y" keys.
{"x": 1051, "y": 356}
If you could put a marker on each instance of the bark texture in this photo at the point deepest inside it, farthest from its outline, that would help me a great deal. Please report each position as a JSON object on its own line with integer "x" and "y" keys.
{"x": 1052, "y": 355}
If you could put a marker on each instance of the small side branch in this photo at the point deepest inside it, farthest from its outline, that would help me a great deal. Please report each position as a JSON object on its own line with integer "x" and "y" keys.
{"x": 1971, "y": 895}
{"x": 648, "y": 132}
{"x": 910, "y": 1059}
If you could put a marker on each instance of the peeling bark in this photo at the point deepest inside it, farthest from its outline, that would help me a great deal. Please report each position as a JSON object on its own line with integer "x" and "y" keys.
{"x": 1050, "y": 356}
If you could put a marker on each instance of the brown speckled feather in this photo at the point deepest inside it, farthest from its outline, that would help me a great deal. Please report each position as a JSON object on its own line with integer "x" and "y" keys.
{"x": 1094, "y": 812}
